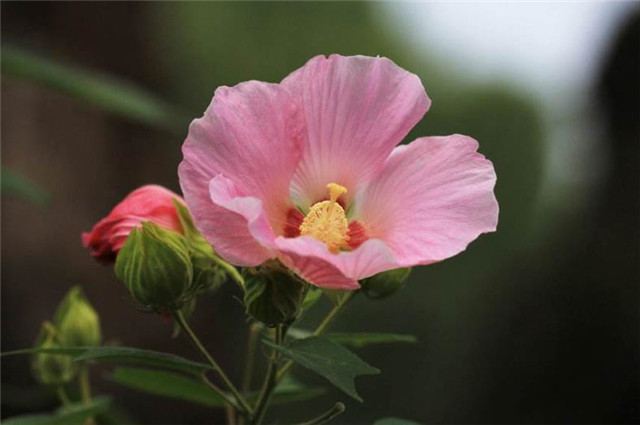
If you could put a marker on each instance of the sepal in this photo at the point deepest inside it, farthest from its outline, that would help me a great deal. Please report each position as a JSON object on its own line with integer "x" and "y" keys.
{"x": 386, "y": 283}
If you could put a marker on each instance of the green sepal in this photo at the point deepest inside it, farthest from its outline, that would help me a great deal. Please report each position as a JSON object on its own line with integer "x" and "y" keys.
{"x": 273, "y": 296}
{"x": 155, "y": 265}
{"x": 207, "y": 273}
{"x": 76, "y": 320}
{"x": 386, "y": 283}
{"x": 51, "y": 369}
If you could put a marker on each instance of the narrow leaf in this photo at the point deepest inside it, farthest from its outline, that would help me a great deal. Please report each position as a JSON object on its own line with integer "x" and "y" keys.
{"x": 328, "y": 359}
{"x": 111, "y": 94}
{"x": 122, "y": 355}
{"x": 74, "y": 415}
{"x": 19, "y": 186}
{"x": 167, "y": 384}
{"x": 362, "y": 339}
{"x": 127, "y": 355}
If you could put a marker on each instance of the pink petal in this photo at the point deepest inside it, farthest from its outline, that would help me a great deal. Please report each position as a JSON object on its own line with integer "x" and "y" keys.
{"x": 307, "y": 256}
{"x": 356, "y": 110}
{"x": 433, "y": 197}
{"x": 251, "y": 135}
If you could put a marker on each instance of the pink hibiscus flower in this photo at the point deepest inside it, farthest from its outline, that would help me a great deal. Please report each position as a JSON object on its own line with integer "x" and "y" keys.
{"x": 307, "y": 171}
{"x": 147, "y": 203}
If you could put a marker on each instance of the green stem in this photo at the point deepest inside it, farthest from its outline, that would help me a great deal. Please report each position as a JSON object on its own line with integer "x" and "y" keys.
{"x": 270, "y": 379}
{"x": 337, "y": 409}
{"x": 231, "y": 401}
{"x": 85, "y": 385}
{"x": 246, "y": 409}
{"x": 62, "y": 395}
{"x": 85, "y": 390}
{"x": 254, "y": 330}
{"x": 329, "y": 318}
{"x": 233, "y": 272}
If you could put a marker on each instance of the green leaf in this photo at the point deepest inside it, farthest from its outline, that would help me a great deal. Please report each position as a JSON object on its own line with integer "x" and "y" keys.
{"x": 127, "y": 355}
{"x": 394, "y": 421}
{"x": 328, "y": 359}
{"x": 355, "y": 339}
{"x": 70, "y": 351}
{"x": 167, "y": 384}
{"x": 181, "y": 387}
{"x": 13, "y": 184}
{"x": 289, "y": 390}
{"x": 362, "y": 339}
{"x": 123, "y": 355}
{"x": 74, "y": 415}
{"x": 108, "y": 93}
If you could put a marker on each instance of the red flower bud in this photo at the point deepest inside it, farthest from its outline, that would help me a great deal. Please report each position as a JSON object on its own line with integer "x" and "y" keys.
{"x": 147, "y": 203}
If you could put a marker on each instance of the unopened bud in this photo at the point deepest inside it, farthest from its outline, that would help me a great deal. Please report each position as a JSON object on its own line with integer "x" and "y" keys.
{"x": 273, "y": 295}
{"x": 155, "y": 266}
{"x": 77, "y": 322}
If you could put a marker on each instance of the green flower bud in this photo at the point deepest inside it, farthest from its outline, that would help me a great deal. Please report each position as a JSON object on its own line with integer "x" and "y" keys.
{"x": 155, "y": 266}
{"x": 77, "y": 322}
{"x": 51, "y": 369}
{"x": 273, "y": 295}
{"x": 384, "y": 284}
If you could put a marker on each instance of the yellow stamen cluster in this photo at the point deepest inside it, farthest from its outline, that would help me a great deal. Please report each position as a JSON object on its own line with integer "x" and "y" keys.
{"x": 327, "y": 220}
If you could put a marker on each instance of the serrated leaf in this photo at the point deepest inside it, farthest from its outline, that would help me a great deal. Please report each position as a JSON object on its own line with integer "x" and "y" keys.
{"x": 362, "y": 339}
{"x": 328, "y": 359}
{"x": 74, "y": 415}
{"x": 167, "y": 384}
{"x": 123, "y": 355}
{"x": 394, "y": 421}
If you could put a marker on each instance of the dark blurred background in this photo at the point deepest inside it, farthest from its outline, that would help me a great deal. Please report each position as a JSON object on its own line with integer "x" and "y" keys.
{"x": 537, "y": 323}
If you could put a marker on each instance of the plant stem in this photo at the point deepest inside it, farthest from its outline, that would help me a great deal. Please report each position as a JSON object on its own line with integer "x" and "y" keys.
{"x": 231, "y": 415}
{"x": 246, "y": 409}
{"x": 85, "y": 390}
{"x": 85, "y": 385}
{"x": 270, "y": 379}
{"x": 62, "y": 395}
{"x": 337, "y": 409}
{"x": 233, "y": 272}
{"x": 231, "y": 401}
{"x": 254, "y": 330}
{"x": 329, "y": 318}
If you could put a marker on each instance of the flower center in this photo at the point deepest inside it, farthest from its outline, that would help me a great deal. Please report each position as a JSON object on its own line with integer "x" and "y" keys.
{"x": 327, "y": 220}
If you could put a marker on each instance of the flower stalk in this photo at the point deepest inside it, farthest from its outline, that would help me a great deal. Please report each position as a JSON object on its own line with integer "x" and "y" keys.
{"x": 241, "y": 402}
{"x": 270, "y": 379}
{"x": 337, "y": 409}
